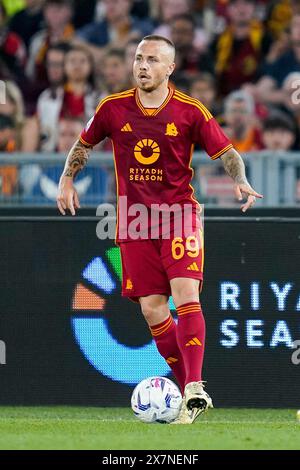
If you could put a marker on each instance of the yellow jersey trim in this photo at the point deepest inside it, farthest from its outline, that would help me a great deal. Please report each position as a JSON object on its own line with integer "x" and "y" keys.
{"x": 190, "y": 185}
{"x": 217, "y": 155}
{"x": 195, "y": 101}
{"x": 86, "y": 144}
{"x": 115, "y": 96}
{"x": 144, "y": 110}
{"x": 117, "y": 184}
{"x": 183, "y": 100}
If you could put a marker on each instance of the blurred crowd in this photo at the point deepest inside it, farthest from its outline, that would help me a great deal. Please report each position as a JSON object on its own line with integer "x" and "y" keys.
{"x": 58, "y": 58}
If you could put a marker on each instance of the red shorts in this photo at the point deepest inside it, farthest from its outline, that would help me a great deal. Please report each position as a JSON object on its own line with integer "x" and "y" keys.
{"x": 149, "y": 265}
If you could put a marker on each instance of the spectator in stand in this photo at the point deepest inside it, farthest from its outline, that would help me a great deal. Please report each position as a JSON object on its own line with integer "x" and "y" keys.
{"x": 58, "y": 16}
{"x": 130, "y": 50}
{"x": 95, "y": 183}
{"x": 115, "y": 28}
{"x": 240, "y": 122}
{"x": 68, "y": 131}
{"x": 8, "y": 143}
{"x": 12, "y": 51}
{"x": 279, "y": 132}
{"x": 188, "y": 59}
{"x": 40, "y": 128}
{"x": 140, "y": 8}
{"x": 115, "y": 78}
{"x": 285, "y": 59}
{"x": 286, "y": 98}
{"x": 11, "y": 129}
{"x": 84, "y": 12}
{"x": 291, "y": 97}
{"x": 55, "y": 65}
{"x": 14, "y": 109}
{"x": 278, "y": 16}
{"x": 181, "y": 82}
{"x": 8, "y": 134}
{"x": 29, "y": 21}
{"x": 80, "y": 96}
{"x": 169, "y": 9}
{"x": 76, "y": 98}
{"x": 239, "y": 50}
{"x": 203, "y": 88}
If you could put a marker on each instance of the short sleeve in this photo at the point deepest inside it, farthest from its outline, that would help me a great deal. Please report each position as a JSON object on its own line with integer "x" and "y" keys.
{"x": 209, "y": 134}
{"x": 97, "y": 128}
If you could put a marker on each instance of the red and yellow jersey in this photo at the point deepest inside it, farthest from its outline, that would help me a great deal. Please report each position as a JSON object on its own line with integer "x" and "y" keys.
{"x": 153, "y": 147}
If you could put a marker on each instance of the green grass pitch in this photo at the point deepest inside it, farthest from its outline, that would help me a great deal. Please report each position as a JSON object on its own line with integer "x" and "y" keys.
{"x": 117, "y": 428}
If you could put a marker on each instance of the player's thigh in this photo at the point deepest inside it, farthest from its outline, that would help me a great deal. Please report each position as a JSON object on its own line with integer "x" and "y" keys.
{"x": 183, "y": 260}
{"x": 183, "y": 256}
{"x": 142, "y": 271}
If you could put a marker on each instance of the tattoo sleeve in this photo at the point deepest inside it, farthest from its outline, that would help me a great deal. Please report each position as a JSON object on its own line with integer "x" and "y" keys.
{"x": 76, "y": 159}
{"x": 234, "y": 166}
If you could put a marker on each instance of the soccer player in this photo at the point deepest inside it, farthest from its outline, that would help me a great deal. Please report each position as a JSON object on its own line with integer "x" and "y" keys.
{"x": 153, "y": 128}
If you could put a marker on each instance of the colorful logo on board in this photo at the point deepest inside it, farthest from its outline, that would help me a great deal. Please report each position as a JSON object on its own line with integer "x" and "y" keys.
{"x": 91, "y": 318}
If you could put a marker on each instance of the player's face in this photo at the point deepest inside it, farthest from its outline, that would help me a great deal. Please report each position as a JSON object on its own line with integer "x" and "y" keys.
{"x": 153, "y": 64}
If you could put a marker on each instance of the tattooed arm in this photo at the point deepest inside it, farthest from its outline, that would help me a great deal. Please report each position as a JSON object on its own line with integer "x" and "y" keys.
{"x": 76, "y": 160}
{"x": 67, "y": 197}
{"x": 234, "y": 166}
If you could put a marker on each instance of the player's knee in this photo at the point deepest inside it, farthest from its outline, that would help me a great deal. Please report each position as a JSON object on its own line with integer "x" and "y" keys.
{"x": 183, "y": 295}
{"x": 152, "y": 312}
{"x": 149, "y": 313}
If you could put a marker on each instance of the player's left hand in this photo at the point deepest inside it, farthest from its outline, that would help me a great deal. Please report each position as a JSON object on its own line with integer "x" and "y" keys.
{"x": 242, "y": 190}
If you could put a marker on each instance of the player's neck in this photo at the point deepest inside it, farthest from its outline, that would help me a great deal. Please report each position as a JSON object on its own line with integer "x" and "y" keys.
{"x": 155, "y": 98}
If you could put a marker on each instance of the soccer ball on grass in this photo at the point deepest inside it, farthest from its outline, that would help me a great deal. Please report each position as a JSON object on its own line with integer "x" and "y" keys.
{"x": 156, "y": 399}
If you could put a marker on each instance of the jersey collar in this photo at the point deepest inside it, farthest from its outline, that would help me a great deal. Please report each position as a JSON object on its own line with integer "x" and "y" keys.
{"x": 144, "y": 110}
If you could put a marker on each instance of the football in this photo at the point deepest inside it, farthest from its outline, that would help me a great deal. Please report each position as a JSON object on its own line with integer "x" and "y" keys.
{"x": 156, "y": 400}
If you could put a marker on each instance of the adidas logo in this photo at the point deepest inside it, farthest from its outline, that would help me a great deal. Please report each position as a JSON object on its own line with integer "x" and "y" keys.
{"x": 193, "y": 267}
{"x": 126, "y": 128}
{"x": 194, "y": 342}
{"x": 171, "y": 360}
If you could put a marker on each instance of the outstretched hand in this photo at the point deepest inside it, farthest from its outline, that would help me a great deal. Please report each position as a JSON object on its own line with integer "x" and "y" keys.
{"x": 242, "y": 190}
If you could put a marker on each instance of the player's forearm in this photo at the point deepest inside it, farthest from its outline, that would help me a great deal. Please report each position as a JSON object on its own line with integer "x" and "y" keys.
{"x": 76, "y": 159}
{"x": 234, "y": 166}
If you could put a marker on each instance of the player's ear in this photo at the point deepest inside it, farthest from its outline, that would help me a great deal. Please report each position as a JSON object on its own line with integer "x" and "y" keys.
{"x": 170, "y": 69}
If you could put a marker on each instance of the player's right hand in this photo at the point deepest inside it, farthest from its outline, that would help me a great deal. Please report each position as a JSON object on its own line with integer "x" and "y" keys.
{"x": 246, "y": 190}
{"x": 67, "y": 197}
